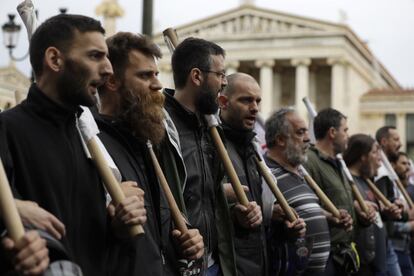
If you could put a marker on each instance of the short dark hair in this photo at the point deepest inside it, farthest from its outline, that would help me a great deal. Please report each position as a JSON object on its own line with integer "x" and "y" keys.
{"x": 383, "y": 132}
{"x": 277, "y": 125}
{"x": 58, "y": 31}
{"x": 326, "y": 119}
{"x": 192, "y": 53}
{"x": 395, "y": 157}
{"x": 122, "y": 43}
{"x": 358, "y": 146}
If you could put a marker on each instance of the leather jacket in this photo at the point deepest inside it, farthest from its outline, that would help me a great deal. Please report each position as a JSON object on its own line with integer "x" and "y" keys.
{"x": 202, "y": 168}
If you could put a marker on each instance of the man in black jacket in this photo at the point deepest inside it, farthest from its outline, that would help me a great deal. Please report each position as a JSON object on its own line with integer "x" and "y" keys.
{"x": 132, "y": 113}
{"x": 239, "y": 106}
{"x": 33, "y": 255}
{"x": 198, "y": 70}
{"x": 389, "y": 142}
{"x": 69, "y": 58}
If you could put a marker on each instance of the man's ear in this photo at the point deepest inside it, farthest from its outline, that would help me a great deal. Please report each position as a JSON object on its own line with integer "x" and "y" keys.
{"x": 280, "y": 140}
{"x": 223, "y": 101}
{"x": 196, "y": 77}
{"x": 332, "y": 133}
{"x": 53, "y": 59}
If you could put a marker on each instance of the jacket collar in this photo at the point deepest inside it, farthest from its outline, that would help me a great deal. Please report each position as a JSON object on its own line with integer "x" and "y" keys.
{"x": 333, "y": 161}
{"x": 45, "y": 107}
{"x": 193, "y": 119}
{"x": 239, "y": 137}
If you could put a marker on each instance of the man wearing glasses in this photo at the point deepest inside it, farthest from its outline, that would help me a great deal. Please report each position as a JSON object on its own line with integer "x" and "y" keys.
{"x": 199, "y": 76}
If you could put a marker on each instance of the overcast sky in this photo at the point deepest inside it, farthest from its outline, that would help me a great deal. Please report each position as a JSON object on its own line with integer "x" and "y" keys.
{"x": 386, "y": 25}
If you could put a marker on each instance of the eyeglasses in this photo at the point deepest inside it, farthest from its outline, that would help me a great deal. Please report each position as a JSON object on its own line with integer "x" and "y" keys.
{"x": 222, "y": 75}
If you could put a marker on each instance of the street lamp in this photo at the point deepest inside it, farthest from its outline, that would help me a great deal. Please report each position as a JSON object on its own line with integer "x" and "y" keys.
{"x": 11, "y": 32}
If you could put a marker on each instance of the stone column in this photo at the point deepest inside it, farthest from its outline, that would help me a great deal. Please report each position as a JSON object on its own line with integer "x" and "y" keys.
{"x": 401, "y": 126}
{"x": 301, "y": 84}
{"x": 277, "y": 90}
{"x": 266, "y": 84}
{"x": 337, "y": 82}
{"x": 312, "y": 85}
{"x": 232, "y": 67}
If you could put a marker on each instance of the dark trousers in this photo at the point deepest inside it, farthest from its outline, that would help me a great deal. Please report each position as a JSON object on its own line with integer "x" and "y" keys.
{"x": 404, "y": 260}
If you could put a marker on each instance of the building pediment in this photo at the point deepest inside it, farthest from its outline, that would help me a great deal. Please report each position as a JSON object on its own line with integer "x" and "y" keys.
{"x": 252, "y": 22}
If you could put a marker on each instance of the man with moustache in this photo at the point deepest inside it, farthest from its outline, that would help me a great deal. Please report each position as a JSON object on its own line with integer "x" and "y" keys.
{"x": 331, "y": 133}
{"x": 363, "y": 160}
{"x": 69, "y": 58}
{"x": 287, "y": 140}
{"x": 199, "y": 76}
{"x": 239, "y": 106}
{"x": 401, "y": 236}
{"x": 131, "y": 114}
{"x": 389, "y": 141}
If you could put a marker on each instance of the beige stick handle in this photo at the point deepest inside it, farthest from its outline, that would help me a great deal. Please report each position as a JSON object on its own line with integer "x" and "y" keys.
{"x": 322, "y": 196}
{"x": 356, "y": 192}
{"x": 172, "y": 36}
{"x": 175, "y": 211}
{"x": 271, "y": 182}
{"x": 8, "y": 208}
{"x": 380, "y": 196}
{"x": 228, "y": 166}
{"x": 359, "y": 198}
{"x": 109, "y": 180}
{"x": 405, "y": 194}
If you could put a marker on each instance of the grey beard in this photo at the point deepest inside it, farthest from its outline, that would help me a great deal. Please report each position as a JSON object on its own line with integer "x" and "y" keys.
{"x": 294, "y": 156}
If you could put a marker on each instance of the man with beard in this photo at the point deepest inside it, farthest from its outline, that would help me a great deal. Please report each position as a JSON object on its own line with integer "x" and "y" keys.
{"x": 330, "y": 127}
{"x": 287, "y": 141}
{"x": 69, "y": 58}
{"x": 198, "y": 70}
{"x": 363, "y": 160}
{"x": 131, "y": 114}
{"x": 389, "y": 141}
{"x": 401, "y": 236}
{"x": 239, "y": 106}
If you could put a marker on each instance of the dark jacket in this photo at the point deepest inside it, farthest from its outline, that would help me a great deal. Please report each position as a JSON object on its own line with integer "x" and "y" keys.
{"x": 328, "y": 175}
{"x": 50, "y": 167}
{"x": 386, "y": 186}
{"x": 204, "y": 199}
{"x": 249, "y": 243}
{"x": 146, "y": 254}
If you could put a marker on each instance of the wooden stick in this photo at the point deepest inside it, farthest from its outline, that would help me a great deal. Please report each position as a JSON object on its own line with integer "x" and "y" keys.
{"x": 322, "y": 196}
{"x": 394, "y": 176}
{"x": 175, "y": 211}
{"x": 172, "y": 37}
{"x": 109, "y": 180}
{"x": 355, "y": 190}
{"x": 8, "y": 208}
{"x": 359, "y": 198}
{"x": 405, "y": 193}
{"x": 380, "y": 196}
{"x": 272, "y": 183}
{"x": 228, "y": 166}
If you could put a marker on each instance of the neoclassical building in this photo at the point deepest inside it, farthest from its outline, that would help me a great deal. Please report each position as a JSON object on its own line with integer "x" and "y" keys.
{"x": 291, "y": 57}
{"x": 13, "y": 86}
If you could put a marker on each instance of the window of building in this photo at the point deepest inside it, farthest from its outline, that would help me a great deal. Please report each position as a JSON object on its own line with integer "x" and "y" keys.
{"x": 410, "y": 135}
{"x": 390, "y": 120}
